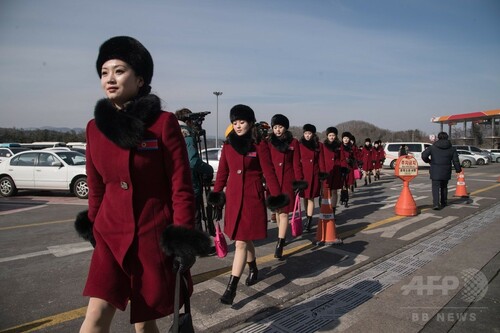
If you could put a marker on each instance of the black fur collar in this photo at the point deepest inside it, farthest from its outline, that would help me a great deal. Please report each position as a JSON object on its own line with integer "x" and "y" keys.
{"x": 332, "y": 146}
{"x": 281, "y": 143}
{"x": 126, "y": 127}
{"x": 242, "y": 144}
{"x": 312, "y": 144}
{"x": 347, "y": 147}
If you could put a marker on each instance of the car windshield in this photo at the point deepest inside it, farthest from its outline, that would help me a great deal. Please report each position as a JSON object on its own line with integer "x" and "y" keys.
{"x": 72, "y": 157}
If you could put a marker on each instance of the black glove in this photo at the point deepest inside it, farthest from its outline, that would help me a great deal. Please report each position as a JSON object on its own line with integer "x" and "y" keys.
{"x": 184, "y": 244}
{"x": 323, "y": 175}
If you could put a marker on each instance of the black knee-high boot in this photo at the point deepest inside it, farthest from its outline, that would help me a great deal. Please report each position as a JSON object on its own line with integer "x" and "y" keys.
{"x": 230, "y": 292}
{"x": 278, "y": 253}
{"x": 307, "y": 226}
{"x": 252, "y": 273}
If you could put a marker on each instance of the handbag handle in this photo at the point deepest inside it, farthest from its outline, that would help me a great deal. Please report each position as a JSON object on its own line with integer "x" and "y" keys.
{"x": 296, "y": 206}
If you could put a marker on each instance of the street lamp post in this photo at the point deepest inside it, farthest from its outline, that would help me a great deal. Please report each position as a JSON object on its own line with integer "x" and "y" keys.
{"x": 217, "y": 94}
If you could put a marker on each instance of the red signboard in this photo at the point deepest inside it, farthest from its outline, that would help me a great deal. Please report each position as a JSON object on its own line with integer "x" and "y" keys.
{"x": 406, "y": 167}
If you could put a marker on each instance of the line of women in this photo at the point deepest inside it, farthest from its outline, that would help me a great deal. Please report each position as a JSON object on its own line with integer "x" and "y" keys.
{"x": 289, "y": 167}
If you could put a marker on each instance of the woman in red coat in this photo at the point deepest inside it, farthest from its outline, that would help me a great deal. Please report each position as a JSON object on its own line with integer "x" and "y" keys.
{"x": 310, "y": 149}
{"x": 140, "y": 186}
{"x": 330, "y": 164}
{"x": 367, "y": 156}
{"x": 347, "y": 163}
{"x": 379, "y": 156}
{"x": 245, "y": 159}
{"x": 285, "y": 154}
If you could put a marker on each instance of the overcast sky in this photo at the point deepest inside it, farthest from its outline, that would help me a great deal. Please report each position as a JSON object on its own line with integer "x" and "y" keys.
{"x": 393, "y": 63}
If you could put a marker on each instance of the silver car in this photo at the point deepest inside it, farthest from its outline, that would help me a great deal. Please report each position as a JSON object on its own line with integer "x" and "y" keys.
{"x": 480, "y": 159}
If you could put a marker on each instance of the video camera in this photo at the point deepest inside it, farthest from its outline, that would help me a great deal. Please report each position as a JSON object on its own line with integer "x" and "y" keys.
{"x": 197, "y": 119}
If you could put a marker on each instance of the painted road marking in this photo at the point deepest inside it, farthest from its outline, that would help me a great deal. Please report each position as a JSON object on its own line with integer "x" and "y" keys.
{"x": 57, "y": 251}
{"x": 436, "y": 225}
{"x": 390, "y": 231}
{"x": 34, "y": 224}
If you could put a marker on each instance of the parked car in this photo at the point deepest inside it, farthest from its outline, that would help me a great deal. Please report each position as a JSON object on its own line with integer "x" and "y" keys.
{"x": 6, "y": 152}
{"x": 44, "y": 170}
{"x": 213, "y": 158}
{"x": 475, "y": 150}
{"x": 466, "y": 160}
{"x": 495, "y": 155}
{"x": 480, "y": 159}
{"x": 415, "y": 149}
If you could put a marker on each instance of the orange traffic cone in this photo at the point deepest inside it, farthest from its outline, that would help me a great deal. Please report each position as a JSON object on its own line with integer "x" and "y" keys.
{"x": 406, "y": 205}
{"x": 326, "y": 232}
{"x": 461, "y": 190}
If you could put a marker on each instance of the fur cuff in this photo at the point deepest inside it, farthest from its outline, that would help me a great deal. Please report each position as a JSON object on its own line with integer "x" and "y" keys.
{"x": 299, "y": 185}
{"x": 276, "y": 202}
{"x": 182, "y": 242}
{"x": 84, "y": 227}
{"x": 217, "y": 199}
{"x": 323, "y": 175}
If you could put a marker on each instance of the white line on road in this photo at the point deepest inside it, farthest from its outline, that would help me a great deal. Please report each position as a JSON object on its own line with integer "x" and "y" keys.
{"x": 57, "y": 251}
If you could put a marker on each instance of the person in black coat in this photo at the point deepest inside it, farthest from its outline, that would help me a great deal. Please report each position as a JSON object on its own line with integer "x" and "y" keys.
{"x": 441, "y": 155}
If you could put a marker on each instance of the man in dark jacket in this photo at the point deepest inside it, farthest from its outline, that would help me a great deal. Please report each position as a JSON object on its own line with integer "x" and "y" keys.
{"x": 200, "y": 171}
{"x": 441, "y": 155}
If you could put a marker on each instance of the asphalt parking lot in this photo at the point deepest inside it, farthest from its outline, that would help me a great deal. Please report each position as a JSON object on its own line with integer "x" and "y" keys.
{"x": 44, "y": 263}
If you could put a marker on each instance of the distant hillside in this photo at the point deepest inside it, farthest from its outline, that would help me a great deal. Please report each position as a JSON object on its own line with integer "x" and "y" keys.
{"x": 362, "y": 130}
{"x": 22, "y": 135}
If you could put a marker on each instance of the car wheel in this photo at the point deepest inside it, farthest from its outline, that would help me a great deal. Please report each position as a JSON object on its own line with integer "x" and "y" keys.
{"x": 480, "y": 161}
{"x": 393, "y": 164}
{"x": 81, "y": 188}
{"x": 466, "y": 164}
{"x": 7, "y": 187}
{"x": 498, "y": 159}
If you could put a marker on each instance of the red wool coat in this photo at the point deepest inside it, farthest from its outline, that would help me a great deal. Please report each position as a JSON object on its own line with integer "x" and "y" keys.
{"x": 347, "y": 155}
{"x": 134, "y": 194}
{"x": 245, "y": 216}
{"x": 310, "y": 167}
{"x": 379, "y": 155}
{"x": 330, "y": 164}
{"x": 367, "y": 155}
{"x": 288, "y": 169}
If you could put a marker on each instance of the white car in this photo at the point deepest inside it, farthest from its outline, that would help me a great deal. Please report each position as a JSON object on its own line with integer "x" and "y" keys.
{"x": 213, "y": 158}
{"x": 480, "y": 159}
{"x": 466, "y": 159}
{"x": 44, "y": 170}
{"x": 495, "y": 154}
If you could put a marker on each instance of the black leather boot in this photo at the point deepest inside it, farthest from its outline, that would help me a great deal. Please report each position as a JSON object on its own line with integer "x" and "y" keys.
{"x": 230, "y": 292}
{"x": 252, "y": 274}
{"x": 278, "y": 253}
{"x": 307, "y": 226}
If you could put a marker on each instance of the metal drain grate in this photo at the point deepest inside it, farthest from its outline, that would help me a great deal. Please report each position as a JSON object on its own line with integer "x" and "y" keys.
{"x": 314, "y": 313}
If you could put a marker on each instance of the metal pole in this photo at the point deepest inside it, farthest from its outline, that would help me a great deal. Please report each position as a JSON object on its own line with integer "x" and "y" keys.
{"x": 217, "y": 94}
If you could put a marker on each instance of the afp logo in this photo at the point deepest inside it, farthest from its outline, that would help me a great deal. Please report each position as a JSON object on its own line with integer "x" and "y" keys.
{"x": 474, "y": 282}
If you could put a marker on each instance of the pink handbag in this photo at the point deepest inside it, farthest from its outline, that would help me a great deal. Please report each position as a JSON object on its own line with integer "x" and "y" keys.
{"x": 357, "y": 173}
{"x": 296, "y": 218}
{"x": 220, "y": 242}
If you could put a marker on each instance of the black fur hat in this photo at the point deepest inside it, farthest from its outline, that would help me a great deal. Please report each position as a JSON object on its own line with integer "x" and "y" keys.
{"x": 279, "y": 119}
{"x": 332, "y": 130}
{"x": 309, "y": 128}
{"x": 347, "y": 134}
{"x": 368, "y": 140}
{"x": 129, "y": 50}
{"x": 242, "y": 112}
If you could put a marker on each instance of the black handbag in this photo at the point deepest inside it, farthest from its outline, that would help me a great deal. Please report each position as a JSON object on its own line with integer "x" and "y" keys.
{"x": 183, "y": 322}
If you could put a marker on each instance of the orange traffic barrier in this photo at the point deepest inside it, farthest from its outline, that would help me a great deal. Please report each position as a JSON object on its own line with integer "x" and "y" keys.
{"x": 406, "y": 206}
{"x": 326, "y": 232}
{"x": 461, "y": 190}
